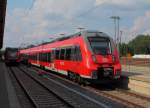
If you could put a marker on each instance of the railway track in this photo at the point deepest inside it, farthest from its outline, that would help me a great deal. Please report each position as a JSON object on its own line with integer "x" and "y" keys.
{"x": 77, "y": 94}
{"x": 23, "y": 99}
{"x": 125, "y": 97}
{"x": 135, "y": 62}
{"x": 39, "y": 95}
{"x": 130, "y": 99}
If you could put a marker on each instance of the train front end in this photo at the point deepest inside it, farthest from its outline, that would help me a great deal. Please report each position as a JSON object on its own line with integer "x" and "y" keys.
{"x": 11, "y": 56}
{"x": 103, "y": 57}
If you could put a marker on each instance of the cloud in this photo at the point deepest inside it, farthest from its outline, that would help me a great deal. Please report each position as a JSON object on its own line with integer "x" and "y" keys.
{"x": 121, "y": 2}
{"x": 115, "y": 2}
{"x": 141, "y": 25}
{"x": 44, "y": 17}
{"x": 126, "y": 4}
{"x": 49, "y": 18}
{"x": 141, "y": 22}
{"x": 147, "y": 32}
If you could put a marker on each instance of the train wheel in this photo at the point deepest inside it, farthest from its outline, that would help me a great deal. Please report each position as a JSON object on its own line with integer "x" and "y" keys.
{"x": 72, "y": 76}
{"x": 69, "y": 76}
{"x": 79, "y": 80}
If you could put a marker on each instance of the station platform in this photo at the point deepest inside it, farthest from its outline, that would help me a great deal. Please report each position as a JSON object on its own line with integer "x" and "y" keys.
{"x": 8, "y": 98}
{"x": 137, "y": 78}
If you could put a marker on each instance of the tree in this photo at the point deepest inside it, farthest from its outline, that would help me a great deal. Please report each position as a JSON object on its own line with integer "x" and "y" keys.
{"x": 139, "y": 45}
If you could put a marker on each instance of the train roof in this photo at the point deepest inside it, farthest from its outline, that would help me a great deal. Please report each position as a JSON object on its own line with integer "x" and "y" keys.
{"x": 10, "y": 48}
{"x": 85, "y": 33}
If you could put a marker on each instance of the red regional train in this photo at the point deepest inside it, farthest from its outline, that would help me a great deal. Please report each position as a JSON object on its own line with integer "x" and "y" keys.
{"x": 85, "y": 56}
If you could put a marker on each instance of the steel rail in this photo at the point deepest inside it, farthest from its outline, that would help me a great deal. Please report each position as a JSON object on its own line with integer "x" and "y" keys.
{"x": 35, "y": 101}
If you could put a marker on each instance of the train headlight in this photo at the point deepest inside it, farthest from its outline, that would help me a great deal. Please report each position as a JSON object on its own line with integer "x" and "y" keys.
{"x": 94, "y": 75}
{"x": 118, "y": 72}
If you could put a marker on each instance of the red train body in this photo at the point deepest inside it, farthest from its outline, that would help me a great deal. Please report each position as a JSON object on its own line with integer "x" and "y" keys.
{"x": 89, "y": 55}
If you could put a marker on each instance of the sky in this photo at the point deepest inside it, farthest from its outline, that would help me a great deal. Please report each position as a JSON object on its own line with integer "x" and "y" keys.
{"x": 34, "y": 21}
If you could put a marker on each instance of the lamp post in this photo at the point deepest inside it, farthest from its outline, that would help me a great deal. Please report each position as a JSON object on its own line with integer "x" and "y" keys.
{"x": 116, "y": 23}
{"x": 121, "y": 36}
{"x": 117, "y": 27}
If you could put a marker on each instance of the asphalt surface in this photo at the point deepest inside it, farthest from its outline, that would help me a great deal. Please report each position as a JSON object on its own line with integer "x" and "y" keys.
{"x": 4, "y": 101}
{"x": 8, "y": 97}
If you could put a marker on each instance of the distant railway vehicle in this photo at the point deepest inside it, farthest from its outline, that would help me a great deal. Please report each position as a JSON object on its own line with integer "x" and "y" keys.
{"x": 85, "y": 56}
{"x": 11, "y": 56}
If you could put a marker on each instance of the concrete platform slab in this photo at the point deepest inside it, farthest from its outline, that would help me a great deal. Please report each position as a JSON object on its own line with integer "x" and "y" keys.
{"x": 137, "y": 78}
{"x": 136, "y": 69}
{"x": 8, "y": 98}
{"x": 4, "y": 101}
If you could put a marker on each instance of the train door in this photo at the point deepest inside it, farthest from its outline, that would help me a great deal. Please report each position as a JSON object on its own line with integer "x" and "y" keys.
{"x": 77, "y": 58}
{"x": 62, "y": 62}
{"x": 56, "y": 59}
{"x": 52, "y": 59}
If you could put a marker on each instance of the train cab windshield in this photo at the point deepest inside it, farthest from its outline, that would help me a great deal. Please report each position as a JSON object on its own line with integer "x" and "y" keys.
{"x": 100, "y": 46}
{"x": 12, "y": 52}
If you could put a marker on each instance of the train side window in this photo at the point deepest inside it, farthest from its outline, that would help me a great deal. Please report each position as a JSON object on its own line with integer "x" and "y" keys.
{"x": 36, "y": 56}
{"x": 68, "y": 54}
{"x": 49, "y": 56}
{"x": 62, "y": 54}
{"x": 44, "y": 57}
{"x": 29, "y": 56}
{"x": 73, "y": 54}
{"x": 52, "y": 55}
{"x": 57, "y": 54}
{"x": 78, "y": 53}
{"x": 32, "y": 57}
{"x": 40, "y": 56}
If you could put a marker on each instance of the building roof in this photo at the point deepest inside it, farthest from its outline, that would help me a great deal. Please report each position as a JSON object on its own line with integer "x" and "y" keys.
{"x": 2, "y": 20}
